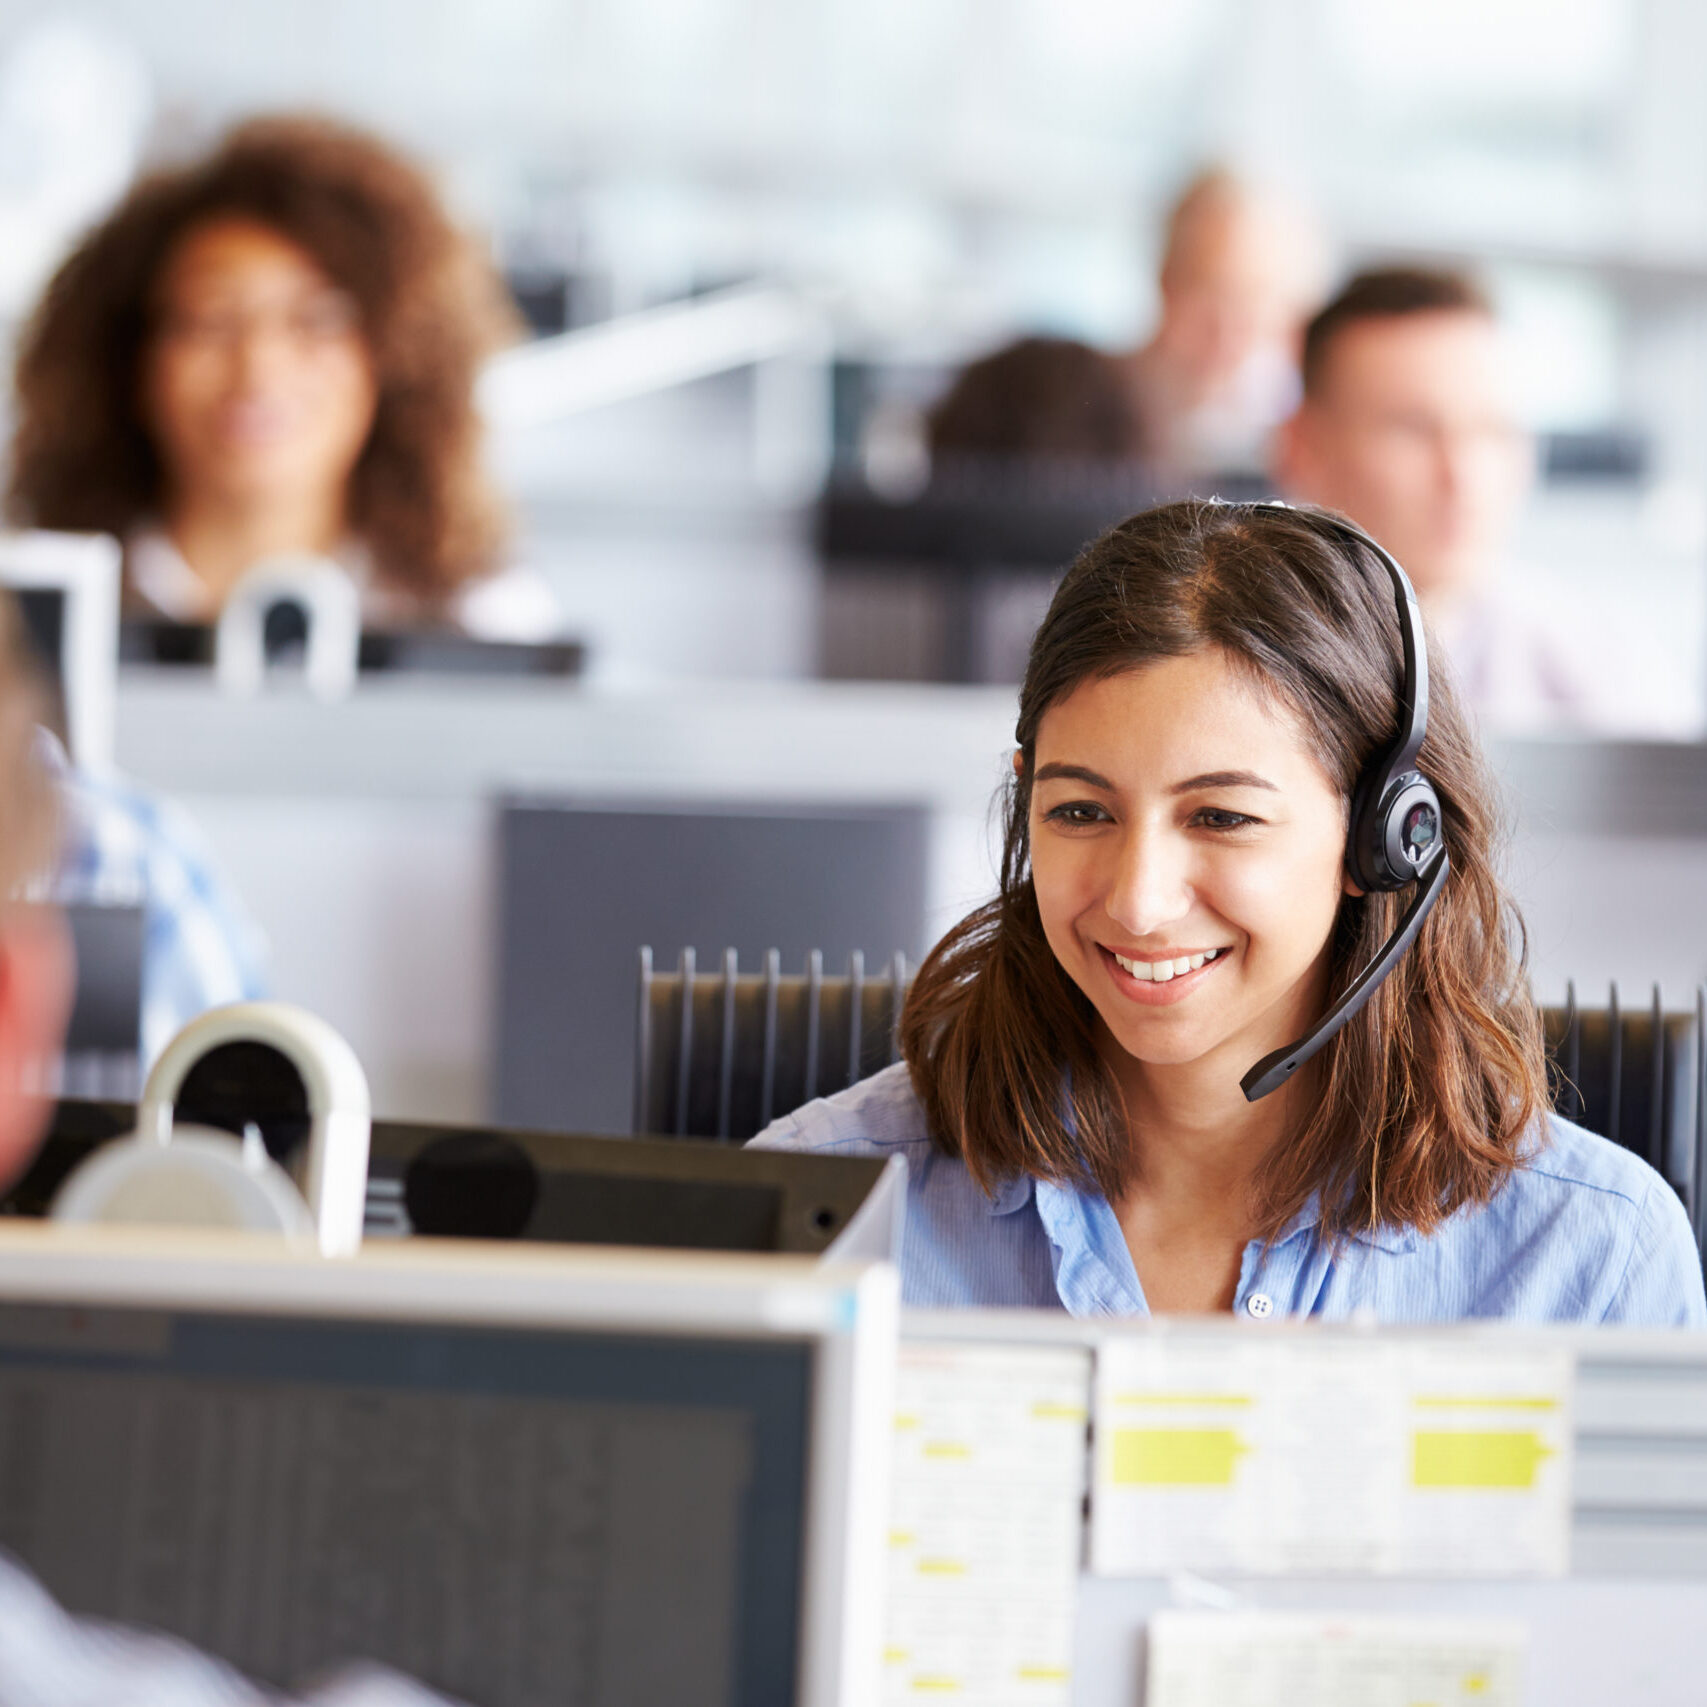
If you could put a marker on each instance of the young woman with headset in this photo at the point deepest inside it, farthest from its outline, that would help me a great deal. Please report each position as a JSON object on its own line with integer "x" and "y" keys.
{"x": 1246, "y": 1026}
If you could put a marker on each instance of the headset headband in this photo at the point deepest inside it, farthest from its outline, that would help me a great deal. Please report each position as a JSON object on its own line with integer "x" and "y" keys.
{"x": 1413, "y": 687}
{"x": 1395, "y": 836}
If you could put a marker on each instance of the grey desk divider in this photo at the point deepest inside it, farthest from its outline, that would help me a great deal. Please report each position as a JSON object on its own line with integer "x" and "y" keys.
{"x": 583, "y": 885}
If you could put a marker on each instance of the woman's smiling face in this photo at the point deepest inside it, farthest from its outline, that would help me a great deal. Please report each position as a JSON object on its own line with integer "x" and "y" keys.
{"x": 1188, "y": 855}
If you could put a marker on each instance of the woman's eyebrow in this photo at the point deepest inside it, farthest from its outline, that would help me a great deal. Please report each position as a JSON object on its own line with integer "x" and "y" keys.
{"x": 1224, "y": 779}
{"x": 1073, "y": 773}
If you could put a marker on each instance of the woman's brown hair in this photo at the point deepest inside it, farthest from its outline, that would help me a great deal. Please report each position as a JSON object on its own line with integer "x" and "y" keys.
{"x": 1425, "y": 1099}
{"x": 430, "y": 311}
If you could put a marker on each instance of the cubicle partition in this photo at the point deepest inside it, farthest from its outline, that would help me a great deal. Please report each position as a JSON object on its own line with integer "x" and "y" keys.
{"x": 583, "y": 885}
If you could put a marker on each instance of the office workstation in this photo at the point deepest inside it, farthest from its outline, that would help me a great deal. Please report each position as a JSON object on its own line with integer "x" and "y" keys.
{"x": 851, "y": 858}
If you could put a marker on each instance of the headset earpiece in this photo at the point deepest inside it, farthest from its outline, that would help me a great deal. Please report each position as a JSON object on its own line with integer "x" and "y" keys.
{"x": 1395, "y": 834}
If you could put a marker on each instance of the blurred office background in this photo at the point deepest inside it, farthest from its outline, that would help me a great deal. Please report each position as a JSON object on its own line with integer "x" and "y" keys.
{"x": 830, "y": 205}
{"x": 923, "y": 180}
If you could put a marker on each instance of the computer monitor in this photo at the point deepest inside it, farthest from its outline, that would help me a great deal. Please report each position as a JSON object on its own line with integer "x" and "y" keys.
{"x": 483, "y": 1182}
{"x": 67, "y": 588}
{"x": 521, "y": 1475}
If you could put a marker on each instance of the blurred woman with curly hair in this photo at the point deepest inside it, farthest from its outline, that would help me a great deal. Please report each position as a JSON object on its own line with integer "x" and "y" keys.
{"x": 268, "y": 354}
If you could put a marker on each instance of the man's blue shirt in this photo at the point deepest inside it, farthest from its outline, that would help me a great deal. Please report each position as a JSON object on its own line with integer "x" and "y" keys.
{"x": 1584, "y": 1232}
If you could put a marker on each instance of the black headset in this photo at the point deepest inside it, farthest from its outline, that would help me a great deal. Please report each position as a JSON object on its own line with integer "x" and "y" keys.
{"x": 1396, "y": 836}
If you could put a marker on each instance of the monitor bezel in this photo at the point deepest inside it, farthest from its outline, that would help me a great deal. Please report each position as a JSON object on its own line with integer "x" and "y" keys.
{"x": 86, "y": 569}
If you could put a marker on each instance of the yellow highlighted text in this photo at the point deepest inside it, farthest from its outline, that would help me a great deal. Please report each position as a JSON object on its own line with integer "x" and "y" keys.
{"x": 1177, "y": 1457}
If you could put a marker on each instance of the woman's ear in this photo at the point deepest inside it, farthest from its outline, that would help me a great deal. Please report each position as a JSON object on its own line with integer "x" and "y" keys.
{"x": 1349, "y": 884}
{"x": 1019, "y": 762}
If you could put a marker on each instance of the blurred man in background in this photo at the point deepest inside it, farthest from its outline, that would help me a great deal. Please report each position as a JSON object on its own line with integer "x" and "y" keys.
{"x": 1408, "y": 425}
{"x": 1241, "y": 268}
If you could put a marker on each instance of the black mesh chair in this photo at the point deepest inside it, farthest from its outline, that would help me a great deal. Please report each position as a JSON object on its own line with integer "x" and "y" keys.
{"x": 1637, "y": 1075}
{"x": 749, "y": 1046}
{"x": 752, "y": 1046}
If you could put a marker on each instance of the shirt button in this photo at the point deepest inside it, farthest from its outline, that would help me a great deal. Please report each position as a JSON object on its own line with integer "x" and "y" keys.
{"x": 1259, "y": 1304}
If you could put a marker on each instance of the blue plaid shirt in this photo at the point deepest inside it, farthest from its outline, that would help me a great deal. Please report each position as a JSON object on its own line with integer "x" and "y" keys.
{"x": 1585, "y": 1232}
{"x": 124, "y": 846}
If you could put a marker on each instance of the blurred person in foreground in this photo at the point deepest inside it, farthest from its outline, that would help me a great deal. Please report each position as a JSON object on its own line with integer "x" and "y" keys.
{"x": 47, "y": 1657}
{"x": 1409, "y": 426}
{"x": 270, "y": 354}
{"x": 1241, "y": 268}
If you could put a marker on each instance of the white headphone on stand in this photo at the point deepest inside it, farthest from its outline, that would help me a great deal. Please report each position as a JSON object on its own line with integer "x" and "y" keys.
{"x": 241, "y": 1067}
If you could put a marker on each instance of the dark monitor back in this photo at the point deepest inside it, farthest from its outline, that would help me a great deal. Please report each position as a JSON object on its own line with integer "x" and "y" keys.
{"x": 474, "y": 1182}
{"x": 424, "y": 651}
{"x": 106, "y": 1013}
{"x": 584, "y": 885}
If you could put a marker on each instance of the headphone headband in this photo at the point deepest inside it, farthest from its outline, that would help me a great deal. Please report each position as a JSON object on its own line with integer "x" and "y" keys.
{"x": 1413, "y": 687}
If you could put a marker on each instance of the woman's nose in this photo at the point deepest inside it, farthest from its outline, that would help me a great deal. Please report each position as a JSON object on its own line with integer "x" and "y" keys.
{"x": 1151, "y": 884}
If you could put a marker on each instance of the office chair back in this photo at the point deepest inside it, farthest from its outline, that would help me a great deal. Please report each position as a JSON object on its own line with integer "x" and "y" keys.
{"x": 749, "y": 1047}
{"x": 746, "y": 1047}
{"x": 1638, "y": 1075}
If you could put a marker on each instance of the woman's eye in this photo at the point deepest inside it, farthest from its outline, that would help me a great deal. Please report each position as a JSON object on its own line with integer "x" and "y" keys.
{"x": 1214, "y": 818}
{"x": 1077, "y": 812}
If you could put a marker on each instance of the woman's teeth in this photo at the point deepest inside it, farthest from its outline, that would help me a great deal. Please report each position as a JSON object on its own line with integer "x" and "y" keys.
{"x": 1160, "y": 971}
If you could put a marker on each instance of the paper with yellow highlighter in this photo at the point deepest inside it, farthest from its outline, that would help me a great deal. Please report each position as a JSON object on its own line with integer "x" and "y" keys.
{"x": 1408, "y": 1456}
{"x": 985, "y": 1538}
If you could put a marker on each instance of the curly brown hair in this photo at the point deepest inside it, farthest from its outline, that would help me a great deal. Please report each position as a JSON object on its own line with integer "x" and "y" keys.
{"x": 1426, "y": 1099}
{"x": 431, "y": 309}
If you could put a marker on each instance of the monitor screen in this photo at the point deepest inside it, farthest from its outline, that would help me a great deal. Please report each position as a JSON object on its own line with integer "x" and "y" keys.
{"x": 512, "y": 1516}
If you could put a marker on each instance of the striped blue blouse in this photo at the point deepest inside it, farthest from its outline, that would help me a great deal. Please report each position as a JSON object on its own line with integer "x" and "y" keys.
{"x": 1586, "y": 1232}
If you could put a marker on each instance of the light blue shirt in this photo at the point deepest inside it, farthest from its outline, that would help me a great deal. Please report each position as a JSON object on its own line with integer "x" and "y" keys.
{"x": 1585, "y": 1232}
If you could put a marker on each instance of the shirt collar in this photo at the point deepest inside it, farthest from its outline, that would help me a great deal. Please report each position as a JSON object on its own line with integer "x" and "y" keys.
{"x": 1393, "y": 1240}
{"x": 1017, "y": 1191}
